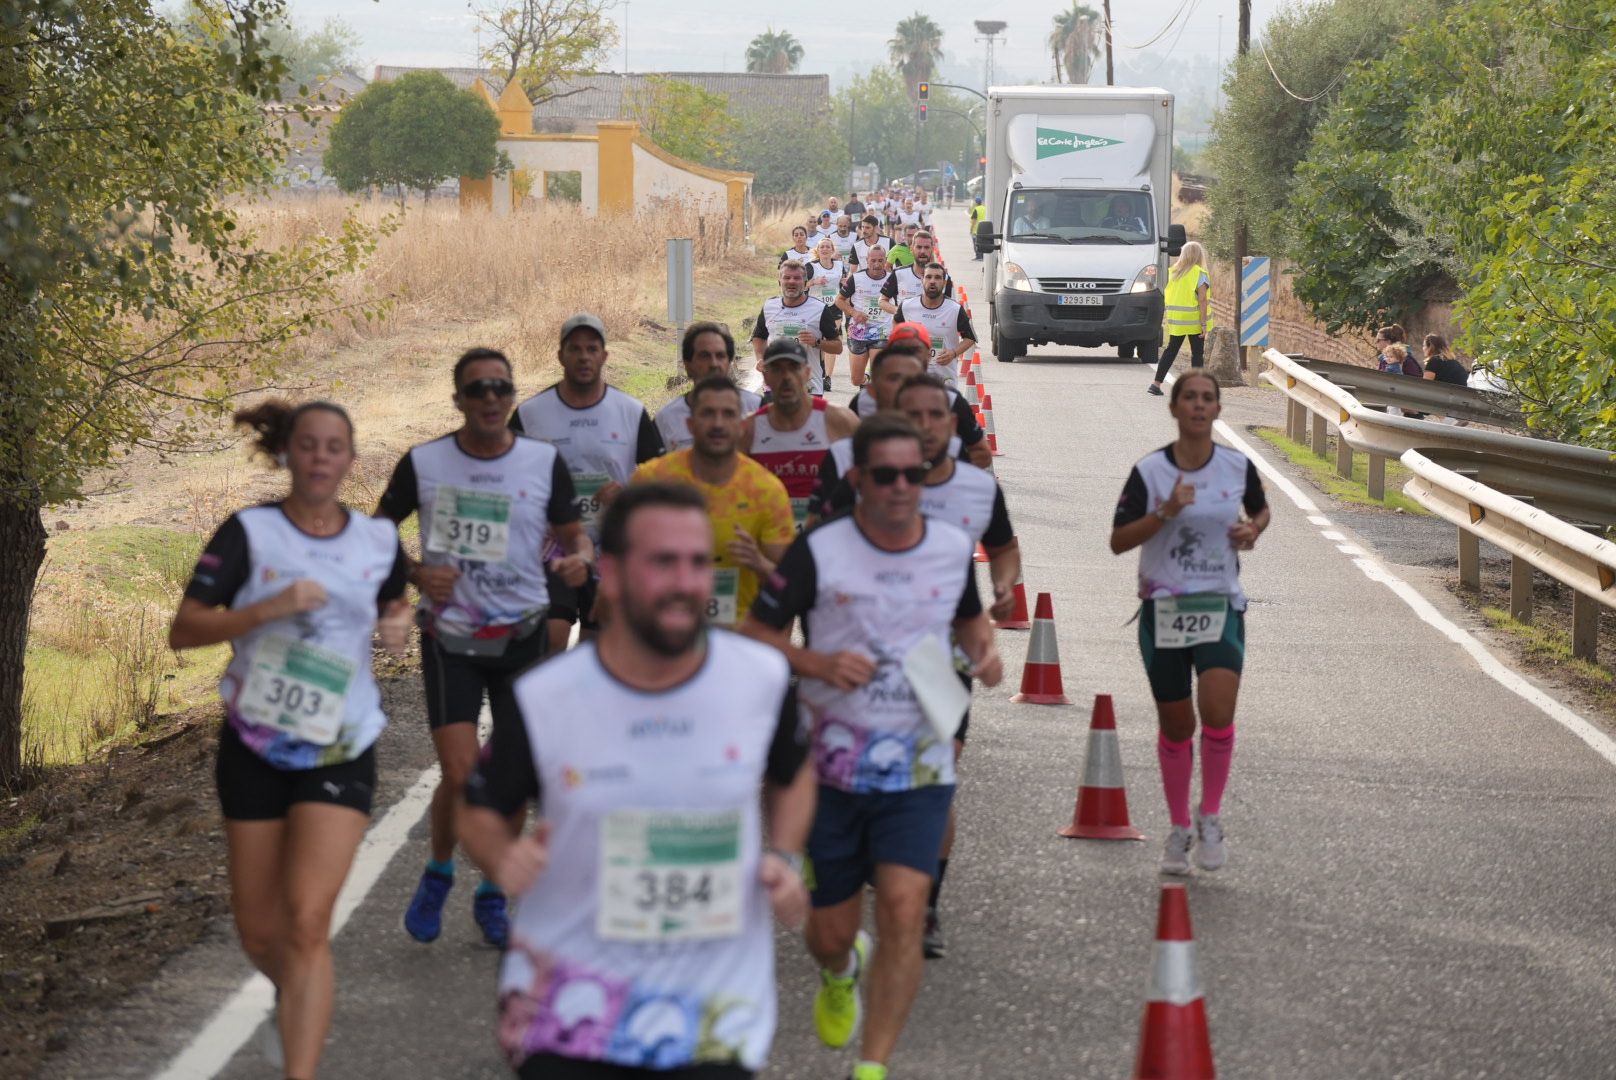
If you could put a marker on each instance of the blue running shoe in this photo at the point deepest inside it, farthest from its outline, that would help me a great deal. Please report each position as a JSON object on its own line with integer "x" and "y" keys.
{"x": 488, "y": 908}
{"x": 424, "y": 919}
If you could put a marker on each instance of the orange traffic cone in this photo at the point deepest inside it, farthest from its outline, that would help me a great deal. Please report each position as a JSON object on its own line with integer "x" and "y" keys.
{"x": 1018, "y": 619}
{"x": 987, "y": 418}
{"x": 981, "y": 553}
{"x": 1102, "y": 803}
{"x": 1041, "y": 678}
{"x": 1174, "y": 1043}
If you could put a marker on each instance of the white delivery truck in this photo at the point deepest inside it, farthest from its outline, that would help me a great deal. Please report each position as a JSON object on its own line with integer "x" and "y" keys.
{"x": 1078, "y": 197}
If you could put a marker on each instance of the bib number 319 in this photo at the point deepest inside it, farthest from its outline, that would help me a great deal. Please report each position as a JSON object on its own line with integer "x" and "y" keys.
{"x": 1186, "y": 621}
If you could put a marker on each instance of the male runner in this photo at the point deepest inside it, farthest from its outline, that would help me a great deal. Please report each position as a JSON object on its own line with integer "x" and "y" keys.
{"x": 803, "y": 318}
{"x": 903, "y": 252}
{"x": 746, "y": 503}
{"x": 844, "y": 238}
{"x": 790, "y": 435}
{"x": 907, "y": 282}
{"x": 485, "y": 499}
{"x": 707, "y": 348}
{"x": 642, "y": 943}
{"x": 909, "y": 215}
{"x": 915, "y": 338}
{"x": 879, "y": 591}
{"x": 944, "y": 318}
{"x": 602, "y": 434}
{"x": 869, "y": 237}
{"x": 868, "y": 321}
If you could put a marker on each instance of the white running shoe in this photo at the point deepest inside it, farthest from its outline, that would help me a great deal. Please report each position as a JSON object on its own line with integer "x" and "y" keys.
{"x": 269, "y": 1040}
{"x": 1176, "y": 857}
{"x": 1209, "y": 852}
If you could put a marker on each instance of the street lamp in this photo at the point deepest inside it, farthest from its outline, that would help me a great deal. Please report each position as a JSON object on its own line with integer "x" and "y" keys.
{"x": 989, "y": 29}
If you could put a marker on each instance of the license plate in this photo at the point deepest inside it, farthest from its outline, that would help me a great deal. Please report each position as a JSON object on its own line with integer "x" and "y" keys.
{"x": 1080, "y": 300}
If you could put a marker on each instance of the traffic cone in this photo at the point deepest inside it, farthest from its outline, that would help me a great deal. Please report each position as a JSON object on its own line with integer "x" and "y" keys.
{"x": 1041, "y": 678}
{"x": 987, "y": 416}
{"x": 1018, "y": 619}
{"x": 1102, "y": 803}
{"x": 1174, "y": 1043}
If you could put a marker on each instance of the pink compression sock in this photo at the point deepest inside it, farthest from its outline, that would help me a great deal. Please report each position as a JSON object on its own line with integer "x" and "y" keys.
{"x": 1217, "y": 751}
{"x": 1178, "y": 767}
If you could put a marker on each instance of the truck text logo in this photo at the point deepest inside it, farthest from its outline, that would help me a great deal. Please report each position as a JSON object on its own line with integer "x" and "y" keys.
{"x": 1052, "y": 142}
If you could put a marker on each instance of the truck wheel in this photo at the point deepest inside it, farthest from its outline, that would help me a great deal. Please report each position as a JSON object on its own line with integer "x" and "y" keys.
{"x": 1150, "y": 353}
{"x": 1010, "y": 349}
{"x": 1125, "y": 352}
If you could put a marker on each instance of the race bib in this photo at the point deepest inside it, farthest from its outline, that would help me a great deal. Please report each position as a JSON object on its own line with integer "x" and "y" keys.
{"x": 587, "y": 486}
{"x": 799, "y": 511}
{"x": 670, "y": 875}
{"x": 1186, "y": 621}
{"x": 470, "y": 524}
{"x": 299, "y": 688}
{"x": 791, "y": 330}
{"x": 828, "y": 295}
{"x": 721, "y": 606}
{"x": 872, "y": 305}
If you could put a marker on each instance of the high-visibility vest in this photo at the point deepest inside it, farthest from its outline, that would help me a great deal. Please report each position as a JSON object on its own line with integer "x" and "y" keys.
{"x": 1183, "y": 315}
{"x": 978, "y": 214}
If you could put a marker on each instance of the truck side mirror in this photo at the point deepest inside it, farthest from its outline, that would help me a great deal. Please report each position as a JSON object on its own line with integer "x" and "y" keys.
{"x": 985, "y": 240}
{"x": 1176, "y": 239}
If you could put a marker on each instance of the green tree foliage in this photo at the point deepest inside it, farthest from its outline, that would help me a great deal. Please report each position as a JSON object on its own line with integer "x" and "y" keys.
{"x": 915, "y": 49}
{"x": 1076, "y": 40}
{"x": 807, "y": 157}
{"x": 310, "y": 55}
{"x": 774, "y": 53}
{"x": 876, "y": 108}
{"x": 414, "y": 132}
{"x": 539, "y": 43}
{"x": 136, "y": 311}
{"x": 683, "y": 118}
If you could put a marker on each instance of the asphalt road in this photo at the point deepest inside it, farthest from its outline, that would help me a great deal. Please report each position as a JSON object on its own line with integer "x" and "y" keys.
{"x": 1421, "y": 880}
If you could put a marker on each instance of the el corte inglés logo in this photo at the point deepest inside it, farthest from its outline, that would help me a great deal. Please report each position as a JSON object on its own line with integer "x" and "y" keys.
{"x": 1052, "y": 142}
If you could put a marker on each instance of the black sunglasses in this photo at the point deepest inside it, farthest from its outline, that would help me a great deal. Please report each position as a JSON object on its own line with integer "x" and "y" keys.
{"x": 481, "y": 388}
{"x": 887, "y": 475}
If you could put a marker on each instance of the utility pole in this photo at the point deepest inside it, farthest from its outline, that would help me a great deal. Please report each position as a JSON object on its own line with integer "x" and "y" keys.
{"x": 1110, "y": 67}
{"x": 1240, "y": 222}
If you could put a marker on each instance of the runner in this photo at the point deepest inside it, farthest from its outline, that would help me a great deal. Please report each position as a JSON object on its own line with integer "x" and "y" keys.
{"x": 944, "y": 318}
{"x": 484, "y": 499}
{"x": 803, "y": 318}
{"x": 855, "y": 207}
{"x": 746, "y": 503}
{"x": 868, "y": 321}
{"x": 869, "y": 237}
{"x": 903, "y": 252}
{"x": 789, "y": 436}
{"x": 879, "y": 591}
{"x": 1190, "y": 508}
{"x": 844, "y": 238}
{"x": 295, "y": 586}
{"x": 915, "y": 338}
{"x": 923, "y": 209}
{"x": 825, "y": 276}
{"x": 643, "y": 938}
{"x": 602, "y": 434}
{"x": 907, "y": 283}
{"x": 826, "y": 226}
{"x": 909, "y": 215}
{"x": 707, "y": 348}
{"x": 799, "y": 249}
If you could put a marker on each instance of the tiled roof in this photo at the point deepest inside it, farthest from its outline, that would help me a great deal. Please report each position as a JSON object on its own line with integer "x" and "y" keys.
{"x": 462, "y": 77}
{"x": 600, "y": 97}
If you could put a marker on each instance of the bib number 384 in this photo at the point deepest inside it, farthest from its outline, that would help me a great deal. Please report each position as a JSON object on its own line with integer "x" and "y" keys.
{"x": 670, "y": 875}
{"x": 299, "y": 688}
{"x": 1186, "y": 621}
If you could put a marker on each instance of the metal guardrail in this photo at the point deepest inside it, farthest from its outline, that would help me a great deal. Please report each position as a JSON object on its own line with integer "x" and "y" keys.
{"x": 1373, "y": 387}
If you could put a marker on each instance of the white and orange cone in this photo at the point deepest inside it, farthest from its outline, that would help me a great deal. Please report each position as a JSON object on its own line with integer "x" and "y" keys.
{"x": 1019, "y": 619}
{"x": 987, "y": 422}
{"x": 1041, "y": 677}
{"x": 981, "y": 553}
{"x": 1102, "y": 802}
{"x": 1174, "y": 1043}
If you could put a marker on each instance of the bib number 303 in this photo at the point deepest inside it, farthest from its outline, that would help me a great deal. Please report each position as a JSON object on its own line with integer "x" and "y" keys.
{"x": 299, "y": 688}
{"x": 670, "y": 875}
{"x": 1186, "y": 621}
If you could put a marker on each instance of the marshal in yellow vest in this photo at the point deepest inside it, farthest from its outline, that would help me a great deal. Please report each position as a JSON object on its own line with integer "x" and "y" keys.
{"x": 1183, "y": 314}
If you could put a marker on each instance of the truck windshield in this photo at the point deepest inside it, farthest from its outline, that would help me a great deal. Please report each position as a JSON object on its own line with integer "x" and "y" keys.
{"x": 1081, "y": 217}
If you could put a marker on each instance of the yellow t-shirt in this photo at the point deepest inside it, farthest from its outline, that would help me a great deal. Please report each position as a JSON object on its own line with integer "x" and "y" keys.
{"x": 753, "y": 502}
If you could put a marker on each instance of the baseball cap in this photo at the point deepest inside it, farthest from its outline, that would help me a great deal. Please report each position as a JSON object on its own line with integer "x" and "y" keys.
{"x": 979, "y": 198}
{"x": 785, "y": 349}
{"x": 909, "y": 331}
{"x": 582, "y": 319}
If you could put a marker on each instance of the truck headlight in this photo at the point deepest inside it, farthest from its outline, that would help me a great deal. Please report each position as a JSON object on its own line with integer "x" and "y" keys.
{"x": 1144, "y": 280}
{"x": 1016, "y": 278}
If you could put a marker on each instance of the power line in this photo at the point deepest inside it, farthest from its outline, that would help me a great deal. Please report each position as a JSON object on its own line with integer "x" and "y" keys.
{"x": 1110, "y": 30}
{"x": 1174, "y": 46}
{"x": 1341, "y": 75}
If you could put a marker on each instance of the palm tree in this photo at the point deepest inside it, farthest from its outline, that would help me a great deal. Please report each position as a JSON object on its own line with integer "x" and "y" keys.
{"x": 774, "y": 53}
{"x": 1075, "y": 40}
{"x": 916, "y": 49}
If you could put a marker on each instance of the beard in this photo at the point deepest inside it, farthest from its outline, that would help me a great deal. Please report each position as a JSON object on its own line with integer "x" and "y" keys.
{"x": 642, "y": 622}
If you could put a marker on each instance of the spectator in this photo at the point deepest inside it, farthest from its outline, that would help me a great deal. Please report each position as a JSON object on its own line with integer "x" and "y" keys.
{"x": 1388, "y": 336}
{"x": 1440, "y": 363}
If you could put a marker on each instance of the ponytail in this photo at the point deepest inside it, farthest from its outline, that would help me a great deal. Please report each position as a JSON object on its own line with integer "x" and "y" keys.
{"x": 273, "y": 422}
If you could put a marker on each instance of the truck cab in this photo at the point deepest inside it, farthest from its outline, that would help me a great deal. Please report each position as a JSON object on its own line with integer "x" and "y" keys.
{"x": 1077, "y": 240}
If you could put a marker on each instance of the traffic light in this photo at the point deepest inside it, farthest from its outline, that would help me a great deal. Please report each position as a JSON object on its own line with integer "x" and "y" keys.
{"x": 924, "y": 91}
{"x": 983, "y": 160}
{"x": 922, "y": 109}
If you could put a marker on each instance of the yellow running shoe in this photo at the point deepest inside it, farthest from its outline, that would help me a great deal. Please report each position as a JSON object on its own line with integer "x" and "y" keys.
{"x": 869, "y": 1070}
{"x": 837, "y": 1006}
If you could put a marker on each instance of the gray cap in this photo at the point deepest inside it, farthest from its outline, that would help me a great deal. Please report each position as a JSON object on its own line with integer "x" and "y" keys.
{"x": 583, "y": 318}
{"x": 782, "y": 348}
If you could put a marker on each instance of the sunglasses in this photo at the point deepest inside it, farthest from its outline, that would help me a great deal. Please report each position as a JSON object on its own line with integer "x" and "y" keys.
{"x": 887, "y": 475}
{"x": 481, "y": 388}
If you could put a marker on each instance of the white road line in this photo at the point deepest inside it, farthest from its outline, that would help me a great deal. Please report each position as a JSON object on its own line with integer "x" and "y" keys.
{"x": 1331, "y": 534}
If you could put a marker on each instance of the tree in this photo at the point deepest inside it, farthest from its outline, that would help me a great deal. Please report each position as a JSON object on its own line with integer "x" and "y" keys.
{"x": 133, "y": 309}
{"x": 1075, "y": 41}
{"x": 774, "y": 53}
{"x": 310, "y": 56}
{"x": 683, "y": 118}
{"x": 539, "y": 43}
{"x": 414, "y": 132}
{"x": 916, "y": 49}
{"x": 774, "y": 153}
{"x": 876, "y": 110}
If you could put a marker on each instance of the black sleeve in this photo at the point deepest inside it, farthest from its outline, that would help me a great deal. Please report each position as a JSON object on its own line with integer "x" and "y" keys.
{"x": 790, "y": 590}
{"x": 402, "y": 497}
{"x": 760, "y": 329}
{"x": 515, "y": 422}
{"x": 563, "y": 508}
{"x": 223, "y": 567}
{"x": 852, "y": 257}
{"x": 970, "y": 432}
{"x": 397, "y": 578}
{"x": 825, "y": 487}
{"x": 789, "y": 748}
{"x": 890, "y": 289}
{"x": 999, "y": 532}
{"x": 649, "y": 445}
{"x": 970, "y": 601}
{"x": 830, "y": 328}
{"x": 963, "y": 326}
{"x": 847, "y": 286}
{"x": 1256, "y": 499}
{"x": 899, "y": 317}
{"x": 1135, "y": 501}
{"x": 506, "y": 778}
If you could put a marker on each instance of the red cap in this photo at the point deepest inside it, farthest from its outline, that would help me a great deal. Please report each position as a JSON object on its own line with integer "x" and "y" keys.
{"x": 906, "y": 331}
{"x": 1105, "y": 717}
{"x": 1173, "y": 920}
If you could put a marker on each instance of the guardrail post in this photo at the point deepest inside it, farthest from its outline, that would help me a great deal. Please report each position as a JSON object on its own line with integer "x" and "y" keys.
{"x": 1321, "y": 432}
{"x": 1343, "y": 457}
{"x": 1469, "y": 560}
{"x": 1520, "y": 589}
{"x": 1377, "y": 477}
{"x": 1584, "y": 627}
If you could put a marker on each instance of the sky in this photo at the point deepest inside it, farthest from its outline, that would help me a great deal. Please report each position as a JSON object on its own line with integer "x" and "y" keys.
{"x": 712, "y": 35}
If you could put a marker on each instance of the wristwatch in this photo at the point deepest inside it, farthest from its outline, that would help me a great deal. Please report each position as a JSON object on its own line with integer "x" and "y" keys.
{"x": 1162, "y": 516}
{"x": 792, "y": 859}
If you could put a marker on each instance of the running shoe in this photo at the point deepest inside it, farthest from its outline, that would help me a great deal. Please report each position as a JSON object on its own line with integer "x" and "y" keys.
{"x": 488, "y": 908}
{"x": 1210, "y": 854}
{"x": 837, "y": 1006}
{"x": 1176, "y": 857}
{"x": 269, "y": 1037}
{"x": 932, "y": 942}
{"x": 424, "y": 918}
{"x": 1154, "y": 389}
{"x": 869, "y": 1070}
